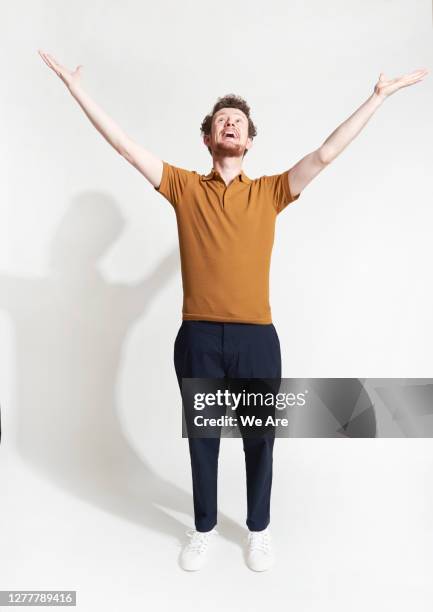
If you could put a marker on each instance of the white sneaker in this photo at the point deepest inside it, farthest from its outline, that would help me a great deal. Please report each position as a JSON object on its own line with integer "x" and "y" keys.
{"x": 193, "y": 554}
{"x": 260, "y": 556}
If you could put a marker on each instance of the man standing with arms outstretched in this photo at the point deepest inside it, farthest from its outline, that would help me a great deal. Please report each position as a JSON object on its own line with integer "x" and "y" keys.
{"x": 226, "y": 227}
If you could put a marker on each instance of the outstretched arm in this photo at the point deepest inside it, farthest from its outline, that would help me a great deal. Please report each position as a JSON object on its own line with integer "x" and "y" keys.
{"x": 147, "y": 163}
{"x": 309, "y": 166}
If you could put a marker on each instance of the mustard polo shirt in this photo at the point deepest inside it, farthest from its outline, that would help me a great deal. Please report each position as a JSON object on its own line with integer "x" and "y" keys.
{"x": 226, "y": 235}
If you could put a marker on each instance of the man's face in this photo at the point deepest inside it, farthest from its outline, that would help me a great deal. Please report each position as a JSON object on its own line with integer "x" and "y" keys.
{"x": 229, "y": 133}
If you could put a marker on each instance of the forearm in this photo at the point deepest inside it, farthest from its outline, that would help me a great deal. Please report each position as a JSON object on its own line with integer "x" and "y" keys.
{"x": 349, "y": 129}
{"x": 109, "y": 129}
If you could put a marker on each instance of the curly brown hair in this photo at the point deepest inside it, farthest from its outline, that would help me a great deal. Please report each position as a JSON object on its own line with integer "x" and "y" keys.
{"x": 228, "y": 101}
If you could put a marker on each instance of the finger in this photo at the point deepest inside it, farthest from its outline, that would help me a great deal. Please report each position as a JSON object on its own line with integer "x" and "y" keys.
{"x": 44, "y": 57}
{"x": 416, "y": 73}
{"x": 58, "y": 69}
{"x": 412, "y": 82}
{"x": 55, "y": 65}
{"x": 414, "y": 79}
{"x": 47, "y": 59}
{"x": 51, "y": 65}
{"x": 54, "y": 62}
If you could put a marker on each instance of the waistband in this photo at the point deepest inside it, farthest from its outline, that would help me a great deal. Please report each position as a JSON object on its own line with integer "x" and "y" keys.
{"x": 218, "y": 325}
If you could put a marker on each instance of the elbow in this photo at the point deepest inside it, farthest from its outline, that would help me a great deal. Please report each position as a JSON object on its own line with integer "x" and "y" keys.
{"x": 122, "y": 151}
{"x": 324, "y": 156}
{"x": 123, "y": 147}
{"x": 124, "y": 154}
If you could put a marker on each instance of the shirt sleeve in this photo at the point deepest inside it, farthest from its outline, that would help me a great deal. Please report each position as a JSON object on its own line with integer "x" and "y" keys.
{"x": 173, "y": 182}
{"x": 279, "y": 190}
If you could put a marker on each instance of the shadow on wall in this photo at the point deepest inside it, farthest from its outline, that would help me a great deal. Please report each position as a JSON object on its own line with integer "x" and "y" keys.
{"x": 69, "y": 332}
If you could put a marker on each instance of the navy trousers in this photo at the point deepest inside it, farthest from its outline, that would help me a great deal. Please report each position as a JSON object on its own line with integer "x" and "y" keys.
{"x": 208, "y": 349}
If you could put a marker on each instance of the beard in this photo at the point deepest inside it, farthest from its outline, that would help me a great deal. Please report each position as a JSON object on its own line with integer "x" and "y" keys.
{"x": 229, "y": 149}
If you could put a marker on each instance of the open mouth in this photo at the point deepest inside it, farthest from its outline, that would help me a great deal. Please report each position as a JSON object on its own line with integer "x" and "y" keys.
{"x": 231, "y": 135}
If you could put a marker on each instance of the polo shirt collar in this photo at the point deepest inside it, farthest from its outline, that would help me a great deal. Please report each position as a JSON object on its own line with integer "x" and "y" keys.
{"x": 214, "y": 173}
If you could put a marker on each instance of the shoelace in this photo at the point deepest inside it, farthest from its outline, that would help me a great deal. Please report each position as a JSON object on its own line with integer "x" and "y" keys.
{"x": 258, "y": 540}
{"x": 199, "y": 540}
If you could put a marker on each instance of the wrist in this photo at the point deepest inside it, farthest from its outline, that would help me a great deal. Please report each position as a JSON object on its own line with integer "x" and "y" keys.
{"x": 73, "y": 89}
{"x": 378, "y": 98}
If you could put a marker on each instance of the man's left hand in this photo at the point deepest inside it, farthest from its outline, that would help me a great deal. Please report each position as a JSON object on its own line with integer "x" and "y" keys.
{"x": 385, "y": 87}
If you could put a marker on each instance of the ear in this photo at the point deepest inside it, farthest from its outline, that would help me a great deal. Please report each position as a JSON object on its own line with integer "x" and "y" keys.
{"x": 206, "y": 140}
{"x": 249, "y": 144}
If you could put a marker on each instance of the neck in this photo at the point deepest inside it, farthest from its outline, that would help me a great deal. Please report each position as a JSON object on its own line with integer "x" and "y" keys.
{"x": 227, "y": 167}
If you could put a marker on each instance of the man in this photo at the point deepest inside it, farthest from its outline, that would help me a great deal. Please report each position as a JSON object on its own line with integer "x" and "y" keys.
{"x": 226, "y": 229}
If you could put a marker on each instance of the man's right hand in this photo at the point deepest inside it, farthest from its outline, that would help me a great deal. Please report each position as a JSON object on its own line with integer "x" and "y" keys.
{"x": 150, "y": 166}
{"x": 71, "y": 79}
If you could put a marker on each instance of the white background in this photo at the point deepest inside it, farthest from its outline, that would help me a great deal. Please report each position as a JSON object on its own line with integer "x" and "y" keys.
{"x": 95, "y": 478}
